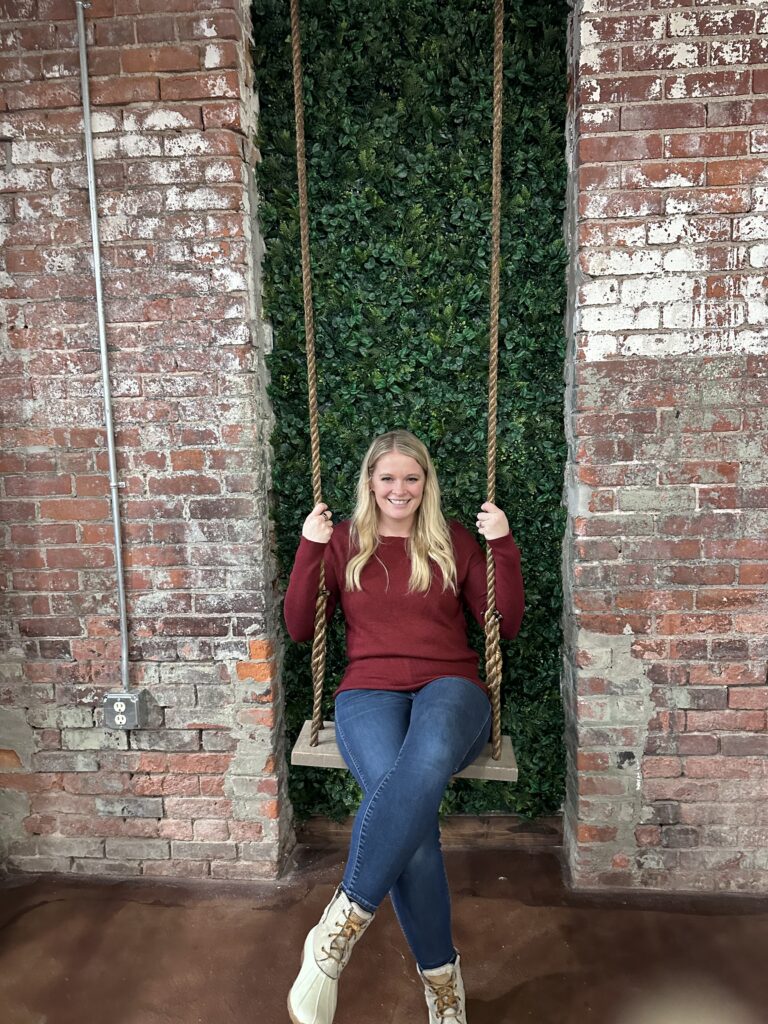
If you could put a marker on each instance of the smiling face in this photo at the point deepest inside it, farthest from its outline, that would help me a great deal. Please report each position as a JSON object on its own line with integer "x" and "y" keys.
{"x": 397, "y": 483}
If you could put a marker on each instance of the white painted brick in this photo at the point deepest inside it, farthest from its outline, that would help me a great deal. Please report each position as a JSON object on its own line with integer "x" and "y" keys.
{"x": 599, "y": 293}
{"x": 685, "y": 259}
{"x": 667, "y": 288}
{"x": 664, "y": 346}
{"x": 595, "y": 118}
{"x": 72, "y": 177}
{"x": 617, "y": 318}
{"x": 753, "y": 287}
{"x": 595, "y": 347}
{"x": 113, "y": 229}
{"x": 196, "y": 199}
{"x": 591, "y": 89}
{"x": 213, "y": 56}
{"x": 588, "y": 36}
{"x": 604, "y": 263}
{"x": 757, "y": 312}
{"x": 682, "y": 25}
{"x": 759, "y": 199}
{"x": 597, "y": 206}
{"x": 40, "y": 152}
{"x": 750, "y": 227}
{"x": 205, "y": 27}
{"x": 105, "y": 148}
{"x": 140, "y": 146}
{"x": 189, "y": 144}
{"x": 733, "y": 51}
{"x": 219, "y": 172}
{"x": 60, "y": 261}
{"x": 758, "y": 256}
{"x": 676, "y": 55}
{"x": 155, "y": 121}
{"x": 228, "y": 279}
{"x": 680, "y": 229}
{"x": 104, "y": 121}
{"x": 677, "y": 314}
{"x": 23, "y": 180}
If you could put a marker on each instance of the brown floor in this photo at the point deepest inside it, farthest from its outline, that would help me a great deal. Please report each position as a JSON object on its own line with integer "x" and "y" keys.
{"x": 88, "y": 952}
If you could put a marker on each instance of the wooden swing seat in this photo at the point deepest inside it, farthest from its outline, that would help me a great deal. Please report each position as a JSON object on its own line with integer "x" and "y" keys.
{"x": 326, "y": 755}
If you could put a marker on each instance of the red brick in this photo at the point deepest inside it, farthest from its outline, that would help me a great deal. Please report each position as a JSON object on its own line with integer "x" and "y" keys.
{"x": 617, "y": 89}
{"x": 726, "y": 721}
{"x": 25, "y": 486}
{"x": 663, "y": 115}
{"x": 707, "y": 83}
{"x": 171, "y": 828}
{"x": 738, "y": 172}
{"x": 198, "y": 763}
{"x": 663, "y": 56}
{"x": 648, "y": 835}
{"x": 676, "y": 624}
{"x": 661, "y": 767}
{"x": 138, "y": 60}
{"x": 261, "y": 649}
{"x": 596, "y": 833}
{"x": 754, "y": 697}
{"x": 205, "y": 85}
{"x": 752, "y": 573}
{"x": 119, "y": 91}
{"x": 697, "y": 744}
{"x": 734, "y": 112}
{"x": 224, "y": 25}
{"x": 606, "y": 148}
{"x": 74, "y": 509}
{"x": 723, "y": 767}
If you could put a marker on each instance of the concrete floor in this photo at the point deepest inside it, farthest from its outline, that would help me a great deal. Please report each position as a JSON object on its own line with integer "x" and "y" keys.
{"x": 128, "y": 952}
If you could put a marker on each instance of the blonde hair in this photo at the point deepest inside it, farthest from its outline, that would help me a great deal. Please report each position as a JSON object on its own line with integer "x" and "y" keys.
{"x": 430, "y": 539}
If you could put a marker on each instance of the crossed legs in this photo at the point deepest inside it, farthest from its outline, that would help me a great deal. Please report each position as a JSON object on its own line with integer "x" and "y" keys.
{"x": 403, "y": 749}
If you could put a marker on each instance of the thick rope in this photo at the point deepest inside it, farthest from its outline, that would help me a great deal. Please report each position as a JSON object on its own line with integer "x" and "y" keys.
{"x": 319, "y": 640}
{"x": 493, "y": 664}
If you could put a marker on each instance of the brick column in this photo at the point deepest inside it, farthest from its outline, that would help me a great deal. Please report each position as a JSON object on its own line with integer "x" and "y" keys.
{"x": 666, "y": 558}
{"x": 201, "y": 791}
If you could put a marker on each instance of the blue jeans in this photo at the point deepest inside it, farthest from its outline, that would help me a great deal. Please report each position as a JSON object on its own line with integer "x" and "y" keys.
{"x": 403, "y": 749}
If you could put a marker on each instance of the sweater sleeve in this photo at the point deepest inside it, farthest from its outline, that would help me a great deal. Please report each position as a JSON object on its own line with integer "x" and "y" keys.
{"x": 301, "y": 595}
{"x": 510, "y": 596}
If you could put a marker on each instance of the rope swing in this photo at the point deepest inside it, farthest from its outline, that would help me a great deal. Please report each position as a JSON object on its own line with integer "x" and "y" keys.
{"x": 493, "y": 661}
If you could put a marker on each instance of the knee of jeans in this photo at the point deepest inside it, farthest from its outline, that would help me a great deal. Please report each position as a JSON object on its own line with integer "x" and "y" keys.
{"x": 424, "y": 857}
{"x": 433, "y": 764}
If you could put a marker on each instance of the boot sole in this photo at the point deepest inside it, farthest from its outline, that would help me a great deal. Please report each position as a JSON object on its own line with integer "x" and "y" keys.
{"x": 294, "y": 1020}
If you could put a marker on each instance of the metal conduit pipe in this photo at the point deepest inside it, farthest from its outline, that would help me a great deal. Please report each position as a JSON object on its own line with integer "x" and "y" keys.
{"x": 113, "y": 481}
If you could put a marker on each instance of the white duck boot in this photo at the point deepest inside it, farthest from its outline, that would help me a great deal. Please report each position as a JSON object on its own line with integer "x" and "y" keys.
{"x": 327, "y": 948}
{"x": 444, "y": 989}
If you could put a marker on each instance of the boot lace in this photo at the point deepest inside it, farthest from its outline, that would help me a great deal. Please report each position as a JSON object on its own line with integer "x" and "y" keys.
{"x": 446, "y": 998}
{"x": 341, "y": 941}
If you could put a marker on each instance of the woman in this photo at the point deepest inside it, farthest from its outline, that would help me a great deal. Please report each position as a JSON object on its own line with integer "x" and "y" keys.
{"x": 411, "y": 710}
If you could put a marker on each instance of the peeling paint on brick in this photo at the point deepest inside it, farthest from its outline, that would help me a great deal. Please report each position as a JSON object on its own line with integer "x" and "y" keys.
{"x": 666, "y": 379}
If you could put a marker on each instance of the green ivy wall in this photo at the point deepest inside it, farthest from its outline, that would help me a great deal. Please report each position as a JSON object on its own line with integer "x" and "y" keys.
{"x": 398, "y": 110}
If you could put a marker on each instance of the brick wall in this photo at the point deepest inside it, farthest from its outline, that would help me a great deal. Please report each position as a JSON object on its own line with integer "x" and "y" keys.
{"x": 666, "y": 559}
{"x": 665, "y": 556}
{"x": 202, "y": 790}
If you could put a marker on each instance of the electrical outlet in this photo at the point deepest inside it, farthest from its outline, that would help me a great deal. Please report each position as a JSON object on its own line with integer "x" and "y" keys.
{"x": 125, "y": 710}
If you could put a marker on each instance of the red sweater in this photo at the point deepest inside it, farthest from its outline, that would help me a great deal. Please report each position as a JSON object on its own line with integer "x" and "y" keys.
{"x": 397, "y": 640}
